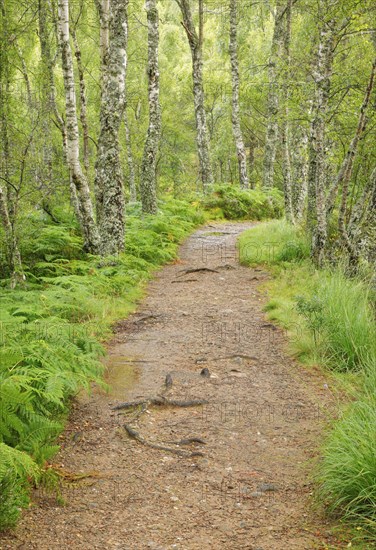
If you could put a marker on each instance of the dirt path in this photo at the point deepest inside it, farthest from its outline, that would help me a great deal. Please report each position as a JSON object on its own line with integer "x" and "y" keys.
{"x": 261, "y": 425}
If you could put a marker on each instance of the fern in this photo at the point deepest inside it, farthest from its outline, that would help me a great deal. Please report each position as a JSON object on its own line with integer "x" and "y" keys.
{"x": 49, "y": 334}
{"x": 16, "y": 470}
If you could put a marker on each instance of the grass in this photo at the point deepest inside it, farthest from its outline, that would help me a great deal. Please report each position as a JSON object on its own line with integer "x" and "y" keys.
{"x": 346, "y": 475}
{"x": 330, "y": 320}
{"x": 273, "y": 244}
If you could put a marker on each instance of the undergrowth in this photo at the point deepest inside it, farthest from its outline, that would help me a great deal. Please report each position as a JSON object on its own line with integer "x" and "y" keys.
{"x": 330, "y": 319}
{"x": 51, "y": 331}
{"x": 232, "y": 203}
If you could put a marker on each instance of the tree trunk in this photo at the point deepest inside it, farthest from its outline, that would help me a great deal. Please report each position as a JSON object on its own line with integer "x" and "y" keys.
{"x": 273, "y": 99}
{"x": 130, "y": 161}
{"x": 48, "y": 62}
{"x": 344, "y": 175}
{"x": 202, "y": 135}
{"x": 316, "y": 218}
{"x": 11, "y": 245}
{"x": 12, "y": 250}
{"x": 83, "y": 105}
{"x": 109, "y": 178}
{"x": 251, "y": 162}
{"x": 361, "y": 209}
{"x": 287, "y": 183}
{"x": 149, "y": 160}
{"x": 104, "y": 15}
{"x": 300, "y": 175}
{"x": 239, "y": 142}
{"x": 89, "y": 228}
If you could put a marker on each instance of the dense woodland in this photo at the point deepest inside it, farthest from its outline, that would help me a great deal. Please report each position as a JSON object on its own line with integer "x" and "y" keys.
{"x": 120, "y": 123}
{"x": 98, "y": 108}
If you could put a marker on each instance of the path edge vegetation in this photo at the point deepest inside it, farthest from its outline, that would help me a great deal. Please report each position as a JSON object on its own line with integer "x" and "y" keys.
{"x": 53, "y": 332}
{"x": 53, "y": 329}
{"x": 329, "y": 320}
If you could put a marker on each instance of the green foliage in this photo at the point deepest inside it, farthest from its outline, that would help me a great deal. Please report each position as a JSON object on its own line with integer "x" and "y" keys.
{"x": 16, "y": 469}
{"x": 312, "y": 310}
{"x": 347, "y": 471}
{"x": 237, "y": 204}
{"x": 348, "y": 322}
{"x": 49, "y": 334}
{"x": 330, "y": 319}
{"x": 273, "y": 243}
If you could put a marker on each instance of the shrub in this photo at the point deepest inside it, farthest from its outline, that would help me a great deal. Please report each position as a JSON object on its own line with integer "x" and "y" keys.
{"x": 237, "y": 204}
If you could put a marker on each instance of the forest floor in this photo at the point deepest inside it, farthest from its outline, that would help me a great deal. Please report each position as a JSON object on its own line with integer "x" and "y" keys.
{"x": 261, "y": 425}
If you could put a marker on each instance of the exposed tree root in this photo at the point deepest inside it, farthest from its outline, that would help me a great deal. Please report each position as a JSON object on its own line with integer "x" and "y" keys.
{"x": 198, "y": 270}
{"x": 135, "y": 435}
{"x": 159, "y": 401}
{"x": 188, "y": 441}
{"x": 185, "y": 281}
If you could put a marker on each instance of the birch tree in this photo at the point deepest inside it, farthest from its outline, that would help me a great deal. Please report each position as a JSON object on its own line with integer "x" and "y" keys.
{"x": 12, "y": 250}
{"x": 195, "y": 43}
{"x": 109, "y": 178}
{"x": 299, "y": 171}
{"x": 238, "y": 136}
{"x": 287, "y": 183}
{"x": 11, "y": 244}
{"x": 149, "y": 161}
{"x": 83, "y": 103}
{"x": 130, "y": 161}
{"x": 346, "y": 169}
{"x": 316, "y": 215}
{"x": 272, "y": 112}
{"x": 88, "y": 225}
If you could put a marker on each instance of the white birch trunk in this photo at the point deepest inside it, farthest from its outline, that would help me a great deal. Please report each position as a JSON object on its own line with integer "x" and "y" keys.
{"x": 271, "y": 141}
{"x": 83, "y": 105}
{"x": 130, "y": 161}
{"x": 238, "y": 136}
{"x": 149, "y": 161}
{"x": 316, "y": 215}
{"x": 109, "y": 177}
{"x": 13, "y": 253}
{"x": 300, "y": 175}
{"x": 202, "y": 134}
{"x": 287, "y": 183}
{"x": 89, "y": 228}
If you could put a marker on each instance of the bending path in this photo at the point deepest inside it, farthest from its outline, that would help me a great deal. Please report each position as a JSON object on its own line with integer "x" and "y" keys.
{"x": 261, "y": 425}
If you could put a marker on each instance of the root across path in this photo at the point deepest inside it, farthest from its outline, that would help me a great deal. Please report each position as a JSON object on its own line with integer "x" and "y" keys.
{"x": 208, "y": 436}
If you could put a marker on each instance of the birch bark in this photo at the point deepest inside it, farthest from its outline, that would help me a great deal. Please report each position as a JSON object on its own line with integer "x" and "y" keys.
{"x": 89, "y": 228}
{"x": 149, "y": 160}
{"x": 12, "y": 250}
{"x": 202, "y": 135}
{"x": 238, "y": 136}
{"x": 287, "y": 183}
{"x": 109, "y": 178}
{"x": 273, "y": 99}
{"x": 83, "y": 104}
{"x": 130, "y": 161}
{"x": 316, "y": 214}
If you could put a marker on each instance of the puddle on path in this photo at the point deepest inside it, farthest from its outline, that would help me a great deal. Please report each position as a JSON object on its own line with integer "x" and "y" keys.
{"x": 122, "y": 374}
